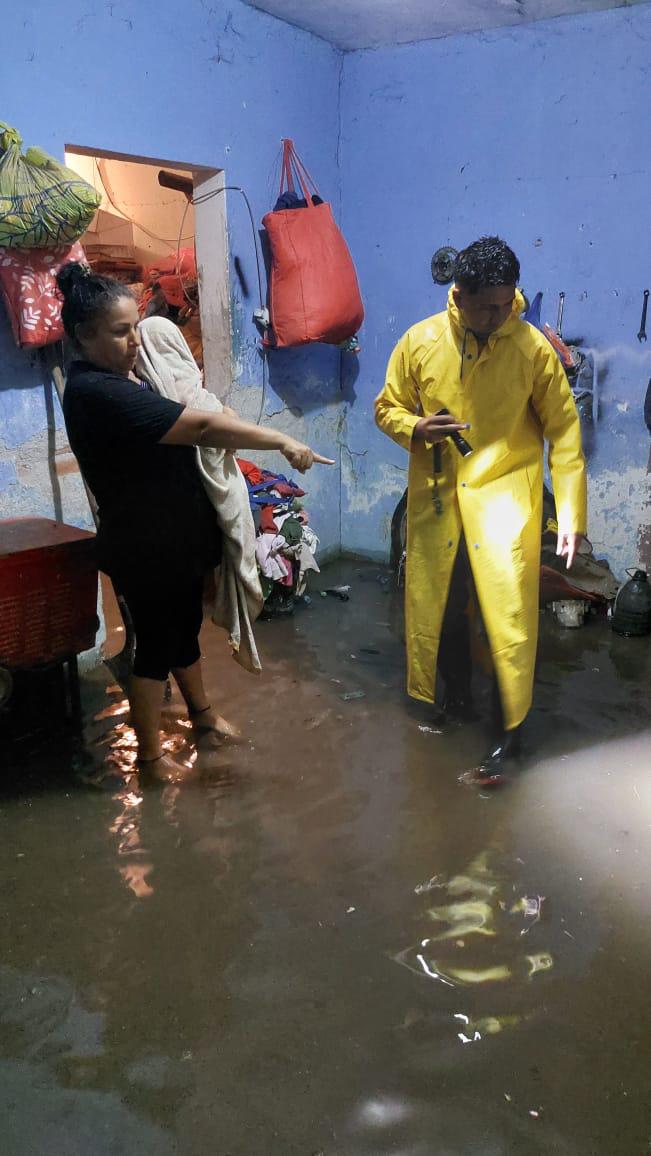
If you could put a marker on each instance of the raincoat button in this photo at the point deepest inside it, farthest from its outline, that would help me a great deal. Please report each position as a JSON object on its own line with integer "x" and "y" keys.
{"x": 476, "y": 545}
{"x": 463, "y": 485}
{"x": 450, "y": 542}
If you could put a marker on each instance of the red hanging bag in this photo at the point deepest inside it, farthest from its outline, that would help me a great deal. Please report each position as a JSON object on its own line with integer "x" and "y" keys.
{"x": 314, "y": 293}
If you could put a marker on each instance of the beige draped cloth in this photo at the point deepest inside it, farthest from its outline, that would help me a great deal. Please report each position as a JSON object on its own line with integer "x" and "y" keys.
{"x": 165, "y": 361}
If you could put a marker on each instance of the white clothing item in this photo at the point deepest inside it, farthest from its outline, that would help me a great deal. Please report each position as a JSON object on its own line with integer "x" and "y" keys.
{"x": 269, "y": 550}
{"x": 165, "y": 361}
{"x": 307, "y": 562}
{"x": 310, "y": 539}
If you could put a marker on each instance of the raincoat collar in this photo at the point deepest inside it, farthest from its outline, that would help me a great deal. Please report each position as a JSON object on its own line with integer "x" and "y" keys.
{"x": 461, "y": 330}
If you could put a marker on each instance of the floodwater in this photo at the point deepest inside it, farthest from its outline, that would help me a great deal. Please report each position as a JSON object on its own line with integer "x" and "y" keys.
{"x": 329, "y": 946}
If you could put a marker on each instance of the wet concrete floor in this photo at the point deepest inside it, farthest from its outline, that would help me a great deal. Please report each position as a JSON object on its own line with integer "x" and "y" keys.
{"x": 330, "y": 945}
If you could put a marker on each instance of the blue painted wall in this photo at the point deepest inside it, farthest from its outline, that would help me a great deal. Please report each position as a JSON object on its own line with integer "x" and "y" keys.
{"x": 540, "y": 134}
{"x": 206, "y": 82}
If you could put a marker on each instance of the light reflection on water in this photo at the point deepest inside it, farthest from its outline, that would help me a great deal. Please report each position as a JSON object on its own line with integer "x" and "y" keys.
{"x": 135, "y": 877}
{"x": 477, "y": 942}
{"x": 113, "y": 752}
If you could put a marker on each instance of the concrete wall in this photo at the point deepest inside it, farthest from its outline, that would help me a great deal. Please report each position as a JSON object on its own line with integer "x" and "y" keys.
{"x": 540, "y": 134}
{"x": 215, "y": 84}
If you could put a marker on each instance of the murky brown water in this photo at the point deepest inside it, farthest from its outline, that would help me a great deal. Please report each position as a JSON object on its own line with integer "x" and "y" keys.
{"x": 330, "y": 945}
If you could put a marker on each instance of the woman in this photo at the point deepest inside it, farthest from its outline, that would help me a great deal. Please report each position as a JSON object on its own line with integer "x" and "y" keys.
{"x": 158, "y": 535}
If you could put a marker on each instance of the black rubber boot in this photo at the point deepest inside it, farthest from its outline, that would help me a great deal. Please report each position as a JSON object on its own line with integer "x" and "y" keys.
{"x": 504, "y": 749}
{"x": 506, "y": 746}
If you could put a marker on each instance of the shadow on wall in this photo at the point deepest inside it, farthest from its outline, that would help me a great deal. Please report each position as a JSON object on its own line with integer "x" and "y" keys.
{"x": 28, "y": 409}
{"x": 21, "y": 368}
{"x": 645, "y": 529}
{"x": 49, "y": 392}
{"x": 34, "y": 454}
{"x": 589, "y": 437}
{"x": 313, "y": 377}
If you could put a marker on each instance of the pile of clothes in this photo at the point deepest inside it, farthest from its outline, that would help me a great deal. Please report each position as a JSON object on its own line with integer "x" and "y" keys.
{"x": 286, "y": 545}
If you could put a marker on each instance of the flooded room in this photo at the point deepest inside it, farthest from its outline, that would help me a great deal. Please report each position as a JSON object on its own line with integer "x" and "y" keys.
{"x": 325, "y": 578}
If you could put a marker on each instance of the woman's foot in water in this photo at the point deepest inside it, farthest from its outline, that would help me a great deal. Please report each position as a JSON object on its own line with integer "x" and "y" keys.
{"x": 162, "y": 769}
{"x": 207, "y": 722}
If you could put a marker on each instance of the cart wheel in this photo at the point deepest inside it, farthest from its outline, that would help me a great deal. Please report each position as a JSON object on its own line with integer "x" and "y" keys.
{"x": 6, "y": 686}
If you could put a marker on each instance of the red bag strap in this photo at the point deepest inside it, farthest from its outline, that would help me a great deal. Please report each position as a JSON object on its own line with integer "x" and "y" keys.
{"x": 292, "y": 163}
{"x": 286, "y": 176}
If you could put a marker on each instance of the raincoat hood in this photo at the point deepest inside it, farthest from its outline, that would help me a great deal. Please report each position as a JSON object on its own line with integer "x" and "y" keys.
{"x": 460, "y": 328}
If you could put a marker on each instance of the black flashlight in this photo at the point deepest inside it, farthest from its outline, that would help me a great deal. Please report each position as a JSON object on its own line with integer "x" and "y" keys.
{"x": 462, "y": 445}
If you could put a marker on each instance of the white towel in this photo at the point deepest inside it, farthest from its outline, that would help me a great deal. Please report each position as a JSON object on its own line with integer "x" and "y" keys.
{"x": 165, "y": 361}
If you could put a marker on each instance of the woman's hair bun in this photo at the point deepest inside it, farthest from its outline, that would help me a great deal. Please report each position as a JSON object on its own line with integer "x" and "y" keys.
{"x": 71, "y": 275}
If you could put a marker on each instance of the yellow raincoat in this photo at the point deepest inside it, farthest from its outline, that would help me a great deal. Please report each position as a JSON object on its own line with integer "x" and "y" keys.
{"x": 515, "y": 395}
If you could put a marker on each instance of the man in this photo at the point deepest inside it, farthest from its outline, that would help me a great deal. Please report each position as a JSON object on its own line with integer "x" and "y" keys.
{"x": 476, "y": 519}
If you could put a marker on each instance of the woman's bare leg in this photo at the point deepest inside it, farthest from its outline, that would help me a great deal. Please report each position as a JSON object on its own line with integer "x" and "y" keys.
{"x": 145, "y": 698}
{"x": 202, "y": 715}
{"x": 190, "y": 682}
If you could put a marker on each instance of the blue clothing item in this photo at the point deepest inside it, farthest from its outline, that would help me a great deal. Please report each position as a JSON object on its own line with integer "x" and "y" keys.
{"x": 532, "y": 314}
{"x": 259, "y": 495}
{"x": 291, "y": 200}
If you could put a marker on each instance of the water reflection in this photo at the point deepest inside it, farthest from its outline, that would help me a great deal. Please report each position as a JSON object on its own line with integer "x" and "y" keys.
{"x": 54, "y": 1073}
{"x": 381, "y": 1113}
{"x": 157, "y": 876}
{"x": 126, "y": 828}
{"x": 135, "y": 877}
{"x": 475, "y": 939}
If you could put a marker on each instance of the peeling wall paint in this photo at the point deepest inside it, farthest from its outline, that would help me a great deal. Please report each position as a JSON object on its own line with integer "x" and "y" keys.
{"x": 620, "y": 499}
{"x": 539, "y": 134}
{"x": 37, "y": 478}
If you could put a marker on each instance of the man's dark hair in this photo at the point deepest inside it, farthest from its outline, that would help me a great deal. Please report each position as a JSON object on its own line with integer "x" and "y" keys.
{"x": 485, "y": 263}
{"x": 86, "y": 294}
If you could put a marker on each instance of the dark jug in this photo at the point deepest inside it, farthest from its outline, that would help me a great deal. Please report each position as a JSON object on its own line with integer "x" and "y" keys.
{"x": 632, "y": 610}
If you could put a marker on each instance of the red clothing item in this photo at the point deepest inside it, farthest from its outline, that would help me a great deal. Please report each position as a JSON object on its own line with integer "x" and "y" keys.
{"x": 257, "y": 477}
{"x": 181, "y": 263}
{"x": 286, "y": 491}
{"x": 253, "y": 474}
{"x": 267, "y": 524}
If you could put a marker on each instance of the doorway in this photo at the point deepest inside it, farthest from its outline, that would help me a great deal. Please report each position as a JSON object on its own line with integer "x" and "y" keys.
{"x": 161, "y": 228}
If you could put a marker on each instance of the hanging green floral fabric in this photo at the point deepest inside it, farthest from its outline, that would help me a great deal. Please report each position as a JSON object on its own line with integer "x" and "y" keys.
{"x": 43, "y": 204}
